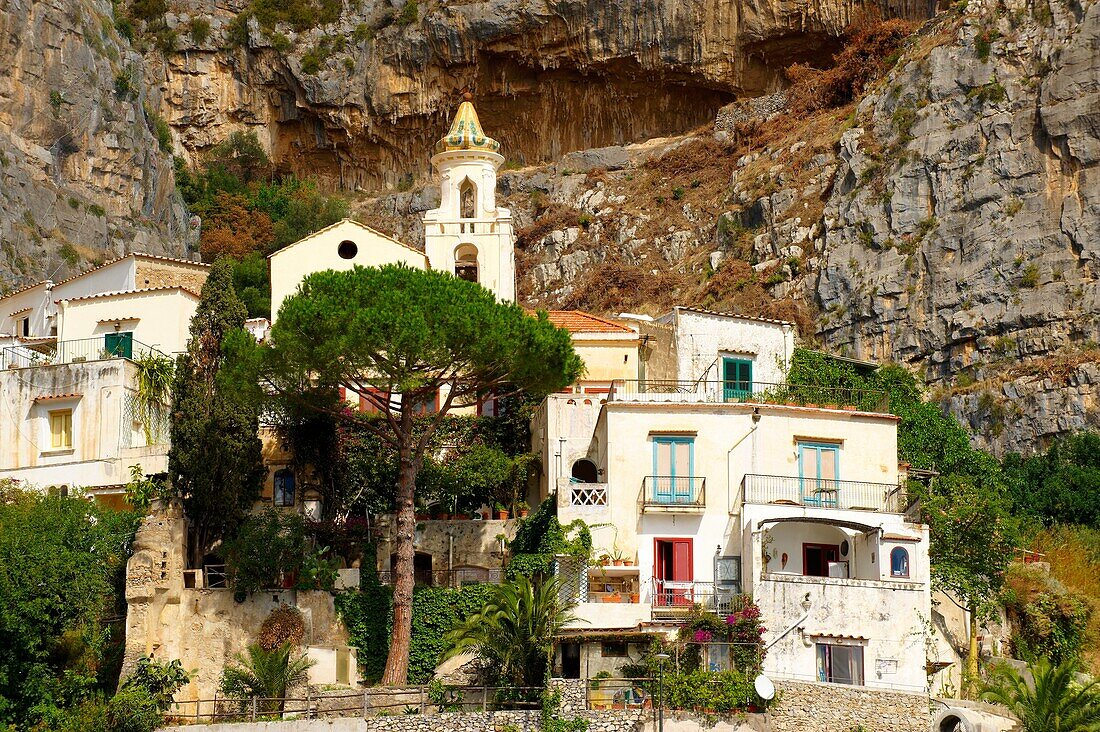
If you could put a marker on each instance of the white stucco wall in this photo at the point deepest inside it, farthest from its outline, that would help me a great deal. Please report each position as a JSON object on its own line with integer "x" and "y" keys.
{"x": 105, "y": 445}
{"x": 701, "y": 339}
{"x": 157, "y": 318}
{"x": 34, "y": 303}
{"x": 888, "y": 620}
{"x": 727, "y": 445}
{"x": 109, "y": 278}
{"x": 319, "y": 252}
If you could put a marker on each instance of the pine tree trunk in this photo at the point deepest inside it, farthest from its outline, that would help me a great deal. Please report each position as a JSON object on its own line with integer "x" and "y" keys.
{"x": 397, "y": 663}
{"x": 970, "y": 679}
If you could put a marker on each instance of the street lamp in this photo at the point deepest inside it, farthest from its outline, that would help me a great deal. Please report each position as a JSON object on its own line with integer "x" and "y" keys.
{"x": 661, "y": 658}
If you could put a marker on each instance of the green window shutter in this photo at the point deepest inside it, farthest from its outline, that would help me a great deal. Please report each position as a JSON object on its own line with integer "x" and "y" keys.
{"x": 119, "y": 344}
{"x": 736, "y": 379}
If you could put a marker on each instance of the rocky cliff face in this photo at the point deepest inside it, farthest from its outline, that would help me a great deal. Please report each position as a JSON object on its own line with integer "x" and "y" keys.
{"x": 948, "y": 221}
{"x": 963, "y": 228}
{"x": 359, "y": 101}
{"x": 81, "y": 175}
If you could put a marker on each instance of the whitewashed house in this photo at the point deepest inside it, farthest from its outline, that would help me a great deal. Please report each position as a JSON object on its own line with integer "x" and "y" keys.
{"x": 69, "y": 371}
{"x": 707, "y": 479}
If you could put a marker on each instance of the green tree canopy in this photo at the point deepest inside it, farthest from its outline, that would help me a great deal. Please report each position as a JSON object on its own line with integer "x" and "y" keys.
{"x": 61, "y": 566}
{"x": 215, "y": 463}
{"x": 402, "y": 339}
{"x": 1061, "y": 485}
{"x": 972, "y": 539}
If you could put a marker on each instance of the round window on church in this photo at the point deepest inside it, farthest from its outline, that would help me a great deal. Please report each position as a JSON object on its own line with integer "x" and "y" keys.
{"x": 347, "y": 249}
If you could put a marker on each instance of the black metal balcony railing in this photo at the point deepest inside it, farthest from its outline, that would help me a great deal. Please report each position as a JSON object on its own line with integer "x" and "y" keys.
{"x": 670, "y": 597}
{"x": 756, "y": 392}
{"x": 823, "y": 493}
{"x": 76, "y": 351}
{"x": 449, "y": 577}
{"x": 673, "y": 492}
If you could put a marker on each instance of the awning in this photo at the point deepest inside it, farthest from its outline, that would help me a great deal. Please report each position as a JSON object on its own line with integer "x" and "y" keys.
{"x": 57, "y": 397}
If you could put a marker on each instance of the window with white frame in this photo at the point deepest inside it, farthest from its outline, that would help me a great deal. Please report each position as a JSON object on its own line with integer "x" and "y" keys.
{"x": 61, "y": 429}
{"x": 899, "y": 562}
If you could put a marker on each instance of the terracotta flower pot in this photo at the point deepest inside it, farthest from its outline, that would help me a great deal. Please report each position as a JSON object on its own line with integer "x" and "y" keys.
{"x": 618, "y": 562}
{"x": 523, "y": 513}
{"x": 462, "y": 517}
{"x": 502, "y": 515}
{"x": 635, "y": 597}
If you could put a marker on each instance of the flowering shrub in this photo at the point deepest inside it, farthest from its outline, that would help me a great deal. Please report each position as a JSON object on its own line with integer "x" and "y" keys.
{"x": 741, "y": 634}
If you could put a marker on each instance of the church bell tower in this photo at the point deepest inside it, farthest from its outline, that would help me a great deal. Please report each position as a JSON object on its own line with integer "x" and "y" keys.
{"x": 468, "y": 234}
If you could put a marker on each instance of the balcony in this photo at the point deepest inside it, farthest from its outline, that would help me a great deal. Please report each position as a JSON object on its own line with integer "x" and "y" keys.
{"x": 756, "y": 392}
{"x": 85, "y": 349}
{"x": 822, "y": 493}
{"x": 671, "y": 599}
{"x": 449, "y": 577}
{"x": 673, "y": 494}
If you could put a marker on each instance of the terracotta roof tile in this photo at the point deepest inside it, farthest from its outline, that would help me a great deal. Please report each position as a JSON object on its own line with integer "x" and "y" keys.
{"x": 121, "y": 293}
{"x": 704, "y": 311}
{"x": 576, "y": 321}
{"x": 135, "y": 255}
{"x": 57, "y": 397}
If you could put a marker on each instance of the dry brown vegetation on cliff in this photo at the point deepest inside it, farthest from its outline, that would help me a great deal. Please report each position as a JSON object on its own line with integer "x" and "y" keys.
{"x": 871, "y": 47}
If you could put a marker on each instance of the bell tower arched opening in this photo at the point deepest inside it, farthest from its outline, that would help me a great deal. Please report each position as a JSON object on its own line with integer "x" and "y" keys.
{"x": 467, "y": 199}
{"x": 466, "y": 263}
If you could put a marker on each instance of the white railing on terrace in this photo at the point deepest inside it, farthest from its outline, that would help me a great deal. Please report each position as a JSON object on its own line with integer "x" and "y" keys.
{"x": 75, "y": 351}
{"x": 740, "y": 392}
{"x": 587, "y": 494}
{"x": 823, "y": 493}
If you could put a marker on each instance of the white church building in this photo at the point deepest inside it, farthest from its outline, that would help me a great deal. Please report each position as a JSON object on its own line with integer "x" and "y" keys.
{"x": 468, "y": 234}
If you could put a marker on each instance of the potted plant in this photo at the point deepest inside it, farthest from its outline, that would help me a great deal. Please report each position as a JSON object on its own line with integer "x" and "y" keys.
{"x": 501, "y": 511}
{"x": 617, "y": 557}
{"x": 595, "y": 682}
{"x": 523, "y": 509}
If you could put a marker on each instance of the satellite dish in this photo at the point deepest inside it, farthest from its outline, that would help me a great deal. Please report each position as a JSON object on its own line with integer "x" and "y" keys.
{"x": 765, "y": 689}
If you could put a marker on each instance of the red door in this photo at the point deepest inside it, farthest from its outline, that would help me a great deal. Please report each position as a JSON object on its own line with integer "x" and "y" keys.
{"x": 673, "y": 572}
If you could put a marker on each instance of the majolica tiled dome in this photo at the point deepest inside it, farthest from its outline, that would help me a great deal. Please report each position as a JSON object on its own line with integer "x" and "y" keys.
{"x": 466, "y": 132}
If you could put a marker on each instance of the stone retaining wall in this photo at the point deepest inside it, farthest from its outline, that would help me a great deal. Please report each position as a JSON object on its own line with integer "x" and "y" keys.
{"x": 525, "y": 721}
{"x": 807, "y": 707}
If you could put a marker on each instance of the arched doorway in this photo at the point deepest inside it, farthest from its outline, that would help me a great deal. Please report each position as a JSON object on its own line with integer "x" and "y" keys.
{"x": 584, "y": 471}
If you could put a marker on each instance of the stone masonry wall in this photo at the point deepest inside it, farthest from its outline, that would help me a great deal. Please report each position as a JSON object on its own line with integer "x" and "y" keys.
{"x": 805, "y": 707}
{"x": 159, "y": 273}
{"x": 525, "y": 721}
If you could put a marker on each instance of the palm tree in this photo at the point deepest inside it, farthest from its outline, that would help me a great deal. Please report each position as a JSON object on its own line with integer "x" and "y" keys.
{"x": 514, "y": 633}
{"x": 265, "y": 674}
{"x": 1051, "y": 702}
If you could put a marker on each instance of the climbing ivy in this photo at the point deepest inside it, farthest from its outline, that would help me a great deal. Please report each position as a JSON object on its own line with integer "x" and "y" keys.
{"x": 541, "y": 537}
{"x": 368, "y": 616}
